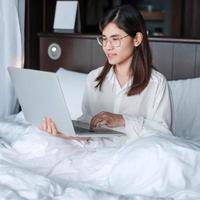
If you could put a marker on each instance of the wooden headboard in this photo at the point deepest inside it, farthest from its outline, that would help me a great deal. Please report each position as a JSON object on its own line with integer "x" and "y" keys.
{"x": 175, "y": 58}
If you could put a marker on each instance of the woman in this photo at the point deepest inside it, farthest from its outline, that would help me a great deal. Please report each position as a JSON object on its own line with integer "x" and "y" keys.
{"x": 126, "y": 93}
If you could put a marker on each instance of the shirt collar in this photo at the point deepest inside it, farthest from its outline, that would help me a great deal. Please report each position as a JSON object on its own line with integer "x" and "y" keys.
{"x": 111, "y": 77}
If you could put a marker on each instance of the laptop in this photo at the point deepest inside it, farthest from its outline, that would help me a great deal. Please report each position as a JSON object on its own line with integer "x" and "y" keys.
{"x": 40, "y": 95}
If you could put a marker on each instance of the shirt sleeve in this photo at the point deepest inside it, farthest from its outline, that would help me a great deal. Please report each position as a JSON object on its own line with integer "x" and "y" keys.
{"x": 162, "y": 108}
{"x": 161, "y": 115}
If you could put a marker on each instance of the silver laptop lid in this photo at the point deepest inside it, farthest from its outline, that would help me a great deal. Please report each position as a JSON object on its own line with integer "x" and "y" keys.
{"x": 40, "y": 95}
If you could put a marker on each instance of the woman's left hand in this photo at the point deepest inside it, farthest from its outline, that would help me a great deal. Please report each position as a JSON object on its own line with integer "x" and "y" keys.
{"x": 108, "y": 119}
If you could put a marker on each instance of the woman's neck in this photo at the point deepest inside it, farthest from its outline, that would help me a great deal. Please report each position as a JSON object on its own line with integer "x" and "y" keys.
{"x": 122, "y": 70}
{"x": 124, "y": 67}
{"x": 123, "y": 74}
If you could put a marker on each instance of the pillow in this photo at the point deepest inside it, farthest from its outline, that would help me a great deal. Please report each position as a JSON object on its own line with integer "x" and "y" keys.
{"x": 185, "y": 96}
{"x": 186, "y": 99}
{"x": 73, "y": 85}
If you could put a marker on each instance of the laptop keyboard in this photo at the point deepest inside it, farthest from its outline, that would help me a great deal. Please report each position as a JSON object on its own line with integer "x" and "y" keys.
{"x": 81, "y": 129}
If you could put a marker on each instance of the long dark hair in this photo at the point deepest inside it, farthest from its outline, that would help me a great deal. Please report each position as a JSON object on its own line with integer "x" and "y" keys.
{"x": 130, "y": 20}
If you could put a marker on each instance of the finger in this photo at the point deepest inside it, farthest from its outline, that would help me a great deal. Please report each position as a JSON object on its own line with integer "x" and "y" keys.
{"x": 94, "y": 122}
{"x": 91, "y": 126}
{"x": 96, "y": 119}
{"x": 48, "y": 121}
{"x": 111, "y": 123}
{"x": 54, "y": 129}
{"x": 107, "y": 121}
{"x": 101, "y": 123}
{"x": 44, "y": 124}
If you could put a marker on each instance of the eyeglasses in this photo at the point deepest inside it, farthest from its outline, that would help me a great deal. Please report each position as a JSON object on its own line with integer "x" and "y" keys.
{"x": 115, "y": 41}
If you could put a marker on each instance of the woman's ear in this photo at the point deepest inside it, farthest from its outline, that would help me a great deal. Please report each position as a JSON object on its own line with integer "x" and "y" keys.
{"x": 137, "y": 40}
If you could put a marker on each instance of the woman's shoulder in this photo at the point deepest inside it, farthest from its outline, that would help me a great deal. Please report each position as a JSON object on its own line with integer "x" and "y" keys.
{"x": 92, "y": 75}
{"x": 96, "y": 71}
{"x": 157, "y": 77}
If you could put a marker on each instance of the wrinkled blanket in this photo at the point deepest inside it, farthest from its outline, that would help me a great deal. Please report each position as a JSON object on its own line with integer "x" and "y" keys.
{"x": 35, "y": 165}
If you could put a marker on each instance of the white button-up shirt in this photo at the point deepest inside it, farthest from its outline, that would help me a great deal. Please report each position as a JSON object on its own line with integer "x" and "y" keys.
{"x": 152, "y": 105}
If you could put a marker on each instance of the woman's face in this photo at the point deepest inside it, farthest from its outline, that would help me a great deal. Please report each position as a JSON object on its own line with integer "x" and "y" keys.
{"x": 118, "y": 51}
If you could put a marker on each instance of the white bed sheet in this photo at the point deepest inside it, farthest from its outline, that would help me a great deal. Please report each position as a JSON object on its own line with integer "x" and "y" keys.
{"x": 35, "y": 165}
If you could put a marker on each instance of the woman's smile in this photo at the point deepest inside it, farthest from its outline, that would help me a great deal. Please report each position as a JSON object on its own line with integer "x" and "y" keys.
{"x": 111, "y": 55}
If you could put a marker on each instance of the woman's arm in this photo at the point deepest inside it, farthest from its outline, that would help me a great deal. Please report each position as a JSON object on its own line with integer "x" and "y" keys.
{"x": 160, "y": 118}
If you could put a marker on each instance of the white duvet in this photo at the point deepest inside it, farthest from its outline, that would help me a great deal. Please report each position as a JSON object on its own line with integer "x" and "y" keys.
{"x": 35, "y": 165}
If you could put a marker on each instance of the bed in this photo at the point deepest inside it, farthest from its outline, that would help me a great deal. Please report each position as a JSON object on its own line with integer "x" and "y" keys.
{"x": 35, "y": 165}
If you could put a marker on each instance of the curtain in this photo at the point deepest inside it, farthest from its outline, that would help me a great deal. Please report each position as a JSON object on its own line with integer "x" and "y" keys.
{"x": 11, "y": 50}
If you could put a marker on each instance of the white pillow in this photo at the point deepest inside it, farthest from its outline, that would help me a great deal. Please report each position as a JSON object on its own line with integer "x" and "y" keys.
{"x": 186, "y": 98}
{"x": 73, "y": 85}
{"x": 185, "y": 95}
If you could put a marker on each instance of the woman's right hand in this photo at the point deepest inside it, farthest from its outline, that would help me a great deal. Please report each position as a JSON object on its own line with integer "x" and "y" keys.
{"x": 49, "y": 126}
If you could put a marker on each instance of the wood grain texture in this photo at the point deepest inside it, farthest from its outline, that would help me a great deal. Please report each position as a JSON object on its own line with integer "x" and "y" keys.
{"x": 175, "y": 58}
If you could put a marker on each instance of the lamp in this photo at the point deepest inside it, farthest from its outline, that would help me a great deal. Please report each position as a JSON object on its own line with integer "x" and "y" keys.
{"x": 54, "y": 51}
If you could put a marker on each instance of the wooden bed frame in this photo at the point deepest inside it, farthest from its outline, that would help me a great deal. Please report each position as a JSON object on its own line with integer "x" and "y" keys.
{"x": 175, "y": 58}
